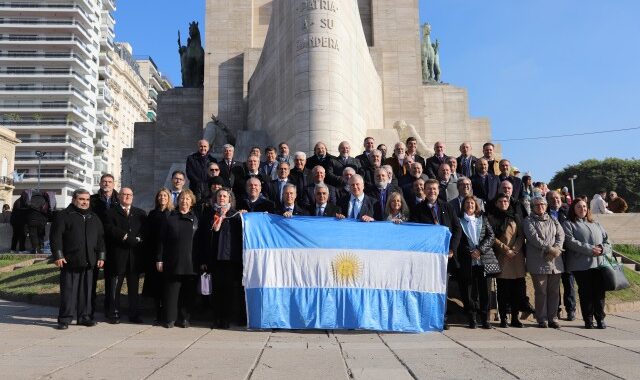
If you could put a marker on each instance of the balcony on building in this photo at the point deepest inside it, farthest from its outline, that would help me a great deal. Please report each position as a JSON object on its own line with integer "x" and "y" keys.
{"x": 46, "y": 109}
{"x": 39, "y": 42}
{"x": 48, "y": 26}
{"x": 38, "y": 123}
{"x": 151, "y": 115}
{"x": 52, "y": 159}
{"x": 12, "y": 58}
{"x": 55, "y": 142}
{"x": 105, "y": 99}
{"x": 17, "y": 75}
{"x": 38, "y": 9}
{"x": 109, "y": 5}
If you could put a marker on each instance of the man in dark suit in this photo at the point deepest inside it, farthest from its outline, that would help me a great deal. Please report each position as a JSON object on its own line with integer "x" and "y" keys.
{"x": 250, "y": 170}
{"x": 505, "y": 174}
{"x": 485, "y": 185}
{"x": 488, "y": 153}
{"x": 323, "y": 158}
{"x": 375, "y": 162}
{"x": 464, "y": 190}
{"x": 466, "y": 161}
{"x": 299, "y": 174}
{"x": 436, "y": 211}
{"x": 369, "y": 146}
{"x": 269, "y": 168}
{"x": 412, "y": 151}
{"x": 381, "y": 191}
{"x": 559, "y": 212}
{"x": 415, "y": 195}
{"x": 275, "y": 187}
{"x": 357, "y": 205}
{"x": 123, "y": 237}
{"x": 254, "y": 200}
{"x": 197, "y": 167}
{"x": 229, "y": 167}
{"x": 347, "y": 173}
{"x": 398, "y": 161}
{"x": 77, "y": 246}
{"x": 344, "y": 160}
{"x": 415, "y": 172}
{"x": 288, "y": 207}
{"x": 321, "y": 206}
{"x": 318, "y": 174}
{"x": 433, "y": 163}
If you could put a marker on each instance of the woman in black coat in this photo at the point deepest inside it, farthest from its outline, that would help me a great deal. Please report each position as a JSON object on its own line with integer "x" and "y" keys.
{"x": 221, "y": 253}
{"x": 477, "y": 241}
{"x": 152, "y": 278}
{"x": 175, "y": 260}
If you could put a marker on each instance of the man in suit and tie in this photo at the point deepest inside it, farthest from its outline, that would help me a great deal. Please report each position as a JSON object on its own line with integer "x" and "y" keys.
{"x": 381, "y": 191}
{"x": 123, "y": 237}
{"x": 466, "y": 161}
{"x": 435, "y": 211}
{"x": 254, "y": 201}
{"x": 344, "y": 160}
{"x": 434, "y": 162}
{"x": 275, "y": 188}
{"x": 375, "y": 162}
{"x": 464, "y": 190}
{"x": 484, "y": 184}
{"x": 268, "y": 168}
{"x": 229, "y": 167}
{"x": 289, "y": 208}
{"x": 357, "y": 205}
{"x": 505, "y": 175}
{"x": 318, "y": 175}
{"x": 177, "y": 184}
{"x": 412, "y": 151}
{"x": 321, "y": 206}
{"x": 399, "y": 161}
{"x": 369, "y": 146}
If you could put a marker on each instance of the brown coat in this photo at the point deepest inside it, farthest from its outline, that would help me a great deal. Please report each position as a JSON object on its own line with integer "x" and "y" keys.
{"x": 618, "y": 205}
{"x": 513, "y": 238}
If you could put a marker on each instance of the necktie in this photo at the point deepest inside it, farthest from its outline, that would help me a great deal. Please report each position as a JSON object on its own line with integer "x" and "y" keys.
{"x": 465, "y": 167}
{"x": 434, "y": 214}
{"x": 383, "y": 196}
{"x": 354, "y": 214}
{"x": 126, "y": 212}
{"x": 282, "y": 183}
{"x": 175, "y": 196}
{"x": 320, "y": 211}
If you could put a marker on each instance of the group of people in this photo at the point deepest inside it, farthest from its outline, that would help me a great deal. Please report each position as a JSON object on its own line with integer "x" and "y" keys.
{"x": 501, "y": 226}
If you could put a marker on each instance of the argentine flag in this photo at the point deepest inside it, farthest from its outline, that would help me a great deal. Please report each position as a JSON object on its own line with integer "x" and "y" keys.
{"x": 323, "y": 273}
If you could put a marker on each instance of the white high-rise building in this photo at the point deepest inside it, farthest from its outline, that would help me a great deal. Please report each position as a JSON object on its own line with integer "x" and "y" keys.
{"x": 52, "y": 54}
{"x": 156, "y": 83}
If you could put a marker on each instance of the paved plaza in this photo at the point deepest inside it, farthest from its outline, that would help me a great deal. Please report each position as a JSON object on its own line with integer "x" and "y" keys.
{"x": 31, "y": 348}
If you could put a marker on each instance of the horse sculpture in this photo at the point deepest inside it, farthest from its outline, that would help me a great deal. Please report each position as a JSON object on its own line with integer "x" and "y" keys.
{"x": 428, "y": 55}
{"x": 192, "y": 58}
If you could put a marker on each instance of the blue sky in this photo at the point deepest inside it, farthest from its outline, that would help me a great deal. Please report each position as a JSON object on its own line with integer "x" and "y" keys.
{"x": 534, "y": 68}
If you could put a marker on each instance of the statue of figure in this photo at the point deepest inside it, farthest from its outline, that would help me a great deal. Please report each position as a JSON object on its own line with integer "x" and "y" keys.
{"x": 436, "y": 64}
{"x": 428, "y": 55}
{"x": 408, "y": 130}
{"x": 192, "y": 58}
{"x": 218, "y": 134}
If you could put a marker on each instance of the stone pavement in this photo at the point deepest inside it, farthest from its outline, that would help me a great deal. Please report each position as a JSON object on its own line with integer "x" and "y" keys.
{"x": 31, "y": 348}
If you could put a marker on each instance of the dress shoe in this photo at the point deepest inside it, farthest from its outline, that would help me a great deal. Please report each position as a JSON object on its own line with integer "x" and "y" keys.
{"x": 445, "y": 326}
{"x": 571, "y": 316}
{"x": 542, "y": 325}
{"x": 601, "y": 325}
{"x": 136, "y": 319}
{"x": 114, "y": 320}
{"x": 486, "y": 325}
{"x": 554, "y": 325}
{"x": 503, "y": 323}
{"x": 184, "y": 324}
{"x": 516, "y": 323}
{"x": 588, "y": 325}
{"x": 87, "y": 322}
{"x": 472, "y": 323}
{"x": 168, "y": 325}
{"x": 62, "y": 326}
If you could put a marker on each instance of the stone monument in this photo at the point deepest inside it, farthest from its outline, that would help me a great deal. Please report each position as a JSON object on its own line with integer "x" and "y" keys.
{"x": 192, "y": 58}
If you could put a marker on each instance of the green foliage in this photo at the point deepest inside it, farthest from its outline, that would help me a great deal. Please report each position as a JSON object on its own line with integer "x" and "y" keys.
{"x": 628, "y": 250}
{"x": 622, "y": 176}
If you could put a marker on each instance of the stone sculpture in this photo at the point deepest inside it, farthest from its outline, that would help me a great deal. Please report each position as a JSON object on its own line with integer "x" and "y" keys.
{"x": 407, "y": 130}
{"x": 192, "y": 58}
{"x": 436, "y": 63}
{"x": 428, "y": 55}
{"x": 218, "y": 134}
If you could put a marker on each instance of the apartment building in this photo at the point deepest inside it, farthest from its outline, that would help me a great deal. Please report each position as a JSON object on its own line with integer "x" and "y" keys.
{"x": 156, "y": 83}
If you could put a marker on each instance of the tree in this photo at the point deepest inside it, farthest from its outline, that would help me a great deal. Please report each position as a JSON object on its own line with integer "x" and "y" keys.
{"x": 611, "y": 174}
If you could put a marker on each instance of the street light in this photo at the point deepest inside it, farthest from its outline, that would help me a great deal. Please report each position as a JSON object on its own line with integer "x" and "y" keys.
{"x": 40, "y": 154}
{"x": 573, "y": 193}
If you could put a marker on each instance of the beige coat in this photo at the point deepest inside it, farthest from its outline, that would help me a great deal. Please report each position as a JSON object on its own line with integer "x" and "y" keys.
{"x": 513, "y": 239}
{"x": 542, "y": 233}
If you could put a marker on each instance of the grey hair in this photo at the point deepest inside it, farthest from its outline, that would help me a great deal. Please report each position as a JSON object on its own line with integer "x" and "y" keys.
{"x": 288, "y": 185}
{"x": 348, "y": 169}
{"x": 355, "y": 178}
{"x": 228, "y": 146}
{"x": 538, "y": 199}
{"x": 320, "y": 186}
{"x": 300, "y": 154}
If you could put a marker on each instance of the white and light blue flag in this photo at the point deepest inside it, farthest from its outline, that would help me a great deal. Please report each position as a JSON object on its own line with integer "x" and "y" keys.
{"x": 323, "y": 273}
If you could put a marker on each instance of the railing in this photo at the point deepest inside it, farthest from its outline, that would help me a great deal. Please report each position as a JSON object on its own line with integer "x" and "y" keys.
{"x": 43, "y": 123}
{"x": 47, "y": 71}
{"x": 56, "y": 140}
{"x": 23, "y": 38}
{"x": 47, "y": 106}
{"x": 76, "y": 177}
{"x": 78, "y": 58}
{"x": 50, "y": 157}
{"x": 26, "y": 21}
{"x": 45, "y": 6}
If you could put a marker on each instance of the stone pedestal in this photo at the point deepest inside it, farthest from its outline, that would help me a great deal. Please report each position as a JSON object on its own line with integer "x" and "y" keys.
{"x": 161, "y": 147}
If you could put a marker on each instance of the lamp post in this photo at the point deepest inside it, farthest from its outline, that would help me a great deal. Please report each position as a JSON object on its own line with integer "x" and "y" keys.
{"x": 39, "y": 154}
{"x": 573, "y": 193}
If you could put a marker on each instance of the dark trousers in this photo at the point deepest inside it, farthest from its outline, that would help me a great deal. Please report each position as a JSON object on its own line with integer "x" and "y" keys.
{"x": 36, "y": 237}
{"x": 591, "y": 292}
{"x": 75, "y": 294}
{"x": 178, "y": 297}
{"x": 474, "y": 292}
{"x": 511, "y": 293}
{"x": 94, "y": 285}
{"x": 569, "y": 296}
{"x": 113, "y": 294}
{"x": 228, "y": 292}
{"x": 18, "y": 238}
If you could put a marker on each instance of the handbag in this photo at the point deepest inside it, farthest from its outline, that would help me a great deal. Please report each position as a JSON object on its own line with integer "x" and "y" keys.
{"x": 612, "y": 272}
{"x": 490, "y": 263}
{"x": 205, "y": 284}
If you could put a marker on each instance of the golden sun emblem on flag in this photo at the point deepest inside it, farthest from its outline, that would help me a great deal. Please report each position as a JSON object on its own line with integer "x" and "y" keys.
{"x": 346, "y": 268}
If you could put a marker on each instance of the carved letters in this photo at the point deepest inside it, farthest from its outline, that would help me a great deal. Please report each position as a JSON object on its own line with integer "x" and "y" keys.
{"x": 324, "y": 24}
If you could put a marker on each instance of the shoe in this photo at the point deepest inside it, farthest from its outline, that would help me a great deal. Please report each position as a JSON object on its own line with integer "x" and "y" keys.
{"x": 486, "y": 325}
{"x": 503, "y": 323}
{"x": 184, "y": 324}
{"x": 136, "y": 319}
{"x": 62, "y": 326}
{"x": 87, "y": 322}
{"x": 516, "y": 323}
{"x": 601, "y": 325}
{"x": 168, "y": 325}
{"x": 554, "y": 325}
{"x": 571, "y": 316}
{"x": 113, "y": 320}
{"x": 542, "y": 325}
